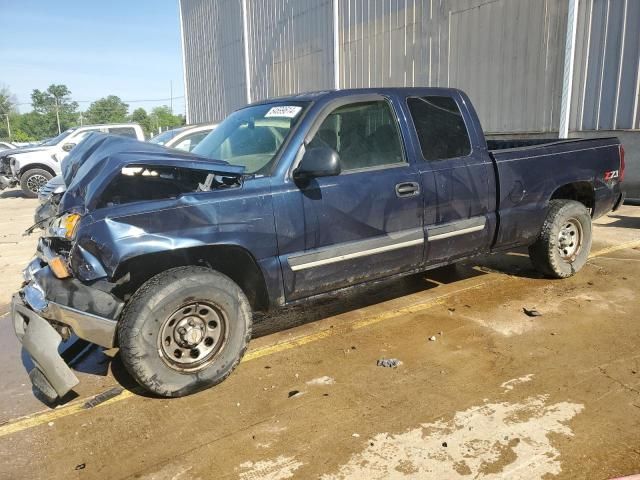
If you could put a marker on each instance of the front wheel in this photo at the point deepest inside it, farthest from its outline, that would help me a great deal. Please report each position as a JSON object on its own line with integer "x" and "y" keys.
{"x": 184, "y": 330}
{"x": 564, "y": 243}
{"x": 33, "y": 180}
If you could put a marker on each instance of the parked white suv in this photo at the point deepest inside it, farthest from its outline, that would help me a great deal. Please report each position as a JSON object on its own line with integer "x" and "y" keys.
{"x": 34, "y": 167}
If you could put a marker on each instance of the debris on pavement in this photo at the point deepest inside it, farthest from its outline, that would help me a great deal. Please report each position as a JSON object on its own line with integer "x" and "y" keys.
{"x": 355, "y": 435}
{"x": 103, "y": 397}
{"x": 80, "y": 466}
{"x": 432, "y": 338}
{"x": 325, "y": 380}
{"x": 531, "y": 312}
{"x": 295, "y": 393}
{"x": 389, "y": 362}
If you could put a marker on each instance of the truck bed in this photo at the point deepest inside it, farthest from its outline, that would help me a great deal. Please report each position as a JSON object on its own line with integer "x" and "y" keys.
{"x": 529, "y": 172}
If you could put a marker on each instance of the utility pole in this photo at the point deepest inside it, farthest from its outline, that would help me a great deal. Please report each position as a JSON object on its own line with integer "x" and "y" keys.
{"x": 81, "y": 119}
{"x": 171, "y": 95}
{"x": 8, "y": 126}
{"x": 58, "y": 115}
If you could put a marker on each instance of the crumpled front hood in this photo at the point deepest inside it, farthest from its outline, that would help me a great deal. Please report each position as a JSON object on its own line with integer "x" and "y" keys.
{"x": 97, "y": 160}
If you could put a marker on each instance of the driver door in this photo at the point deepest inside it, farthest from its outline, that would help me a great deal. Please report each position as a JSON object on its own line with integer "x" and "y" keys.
{"x": 363, "y": 224}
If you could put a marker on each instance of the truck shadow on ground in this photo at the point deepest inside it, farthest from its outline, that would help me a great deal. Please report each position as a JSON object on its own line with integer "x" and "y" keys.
{"x": 516, "y": 263}
{"x": 622, "y": 221}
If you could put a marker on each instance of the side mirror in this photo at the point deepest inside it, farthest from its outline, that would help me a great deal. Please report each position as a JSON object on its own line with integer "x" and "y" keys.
{"x": 67, "y": 147}
{"x": 318, "y": 162}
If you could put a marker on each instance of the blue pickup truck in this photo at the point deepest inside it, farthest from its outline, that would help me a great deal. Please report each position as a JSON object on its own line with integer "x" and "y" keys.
{"x": 166, "y": 254}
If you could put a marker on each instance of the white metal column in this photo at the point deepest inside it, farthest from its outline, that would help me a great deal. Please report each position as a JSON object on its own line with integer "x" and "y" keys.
{"x": 184, "y": 67}
{"x": 245, "y": 39}
{"x": 569, "y": 60}
{"x": 336, "y": 46}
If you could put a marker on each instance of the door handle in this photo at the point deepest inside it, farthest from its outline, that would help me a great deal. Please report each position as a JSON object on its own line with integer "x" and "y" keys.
{"x": 407, "y": 189}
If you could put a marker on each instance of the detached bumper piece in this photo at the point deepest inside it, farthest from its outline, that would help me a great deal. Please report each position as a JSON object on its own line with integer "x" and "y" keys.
{"x": 7, "y": 182}
{"x": 44, "y": 314}
{"x": 51, "y": 375}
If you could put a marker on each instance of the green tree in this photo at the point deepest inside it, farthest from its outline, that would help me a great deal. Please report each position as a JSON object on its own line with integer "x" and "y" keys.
{"x": 6, "y": 101}
{"x": 140, "y": 116}
{"x": 7, "y": 109}
{"x": 56, "y": 104}
{"x": 107, "y": 110}
{"x": 162, "y": 119}
{"x": 32, "y": 126}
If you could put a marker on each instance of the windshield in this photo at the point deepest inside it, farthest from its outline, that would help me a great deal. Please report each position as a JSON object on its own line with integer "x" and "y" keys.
{"x": 58, "y": 139}
{"x": 164, "y": 137}
{"x": 251, "y": 137}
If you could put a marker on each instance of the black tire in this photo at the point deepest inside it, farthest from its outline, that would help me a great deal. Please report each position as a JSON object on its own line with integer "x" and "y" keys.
{"x": 149, "y": 312}
{"x": 33, "y": 180}
{"x": 557, "y": 253}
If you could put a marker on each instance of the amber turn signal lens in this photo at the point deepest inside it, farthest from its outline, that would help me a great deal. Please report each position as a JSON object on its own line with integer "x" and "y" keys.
{"x": 70, "y": 225}
{"x": 59, "y": 268}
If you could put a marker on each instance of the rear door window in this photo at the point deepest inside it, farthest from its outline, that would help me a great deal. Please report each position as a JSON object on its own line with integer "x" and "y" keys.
{"x": 440, "y": 127}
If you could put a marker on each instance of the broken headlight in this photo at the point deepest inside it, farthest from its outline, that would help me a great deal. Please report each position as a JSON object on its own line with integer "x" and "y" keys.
{"x": 65, "y": 226}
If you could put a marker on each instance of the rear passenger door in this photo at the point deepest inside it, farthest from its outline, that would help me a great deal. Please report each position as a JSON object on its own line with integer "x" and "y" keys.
{"x": 457, "y": 177}
{"x": 365, "y": 223}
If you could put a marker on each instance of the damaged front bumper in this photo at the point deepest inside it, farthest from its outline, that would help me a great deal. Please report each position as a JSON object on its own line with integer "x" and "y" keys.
{"x": 7, "y": 182}
{"x": 47, "y": 310}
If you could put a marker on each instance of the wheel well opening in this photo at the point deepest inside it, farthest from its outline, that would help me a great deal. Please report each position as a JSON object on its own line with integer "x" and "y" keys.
{"x": 36, "y": 166}
{"x": 579, "y": 191}
{"x": 234, "y": 262}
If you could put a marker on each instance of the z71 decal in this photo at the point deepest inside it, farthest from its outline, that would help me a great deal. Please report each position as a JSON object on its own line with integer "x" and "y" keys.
{"x": 610, "y": 175}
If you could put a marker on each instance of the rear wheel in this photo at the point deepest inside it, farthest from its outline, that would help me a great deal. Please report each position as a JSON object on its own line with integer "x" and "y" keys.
{"x": 33, "y": 180}
{"x": 184, "y": 330}
{"x": 564, "y": 243}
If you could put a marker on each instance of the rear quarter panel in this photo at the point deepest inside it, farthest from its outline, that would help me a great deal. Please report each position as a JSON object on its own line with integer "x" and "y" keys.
{"x": 528, "y": 177}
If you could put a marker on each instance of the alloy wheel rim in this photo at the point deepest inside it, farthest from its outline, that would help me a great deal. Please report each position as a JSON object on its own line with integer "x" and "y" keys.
{"x": 36, "y": 182}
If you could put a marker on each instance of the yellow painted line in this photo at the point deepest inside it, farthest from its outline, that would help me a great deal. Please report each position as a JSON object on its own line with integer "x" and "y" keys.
{"x": 44, "y": 417}
{"x": 47, "y": 416}
{"x": 358, "y": 324}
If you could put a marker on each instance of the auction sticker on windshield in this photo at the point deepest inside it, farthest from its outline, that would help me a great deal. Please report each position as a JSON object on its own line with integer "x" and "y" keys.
{"x": 288, "y": 111}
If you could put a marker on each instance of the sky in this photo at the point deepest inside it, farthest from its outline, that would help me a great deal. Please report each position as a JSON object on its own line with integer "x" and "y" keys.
{"x": 128, "y": 48}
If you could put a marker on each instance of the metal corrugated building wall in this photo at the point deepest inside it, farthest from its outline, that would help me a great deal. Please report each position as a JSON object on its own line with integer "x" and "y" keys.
{"x": 290, "y": 46}
{"x": 213, "y": 58}
{"x": 508, "y": 55}
{"x": 606, "y": 79}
